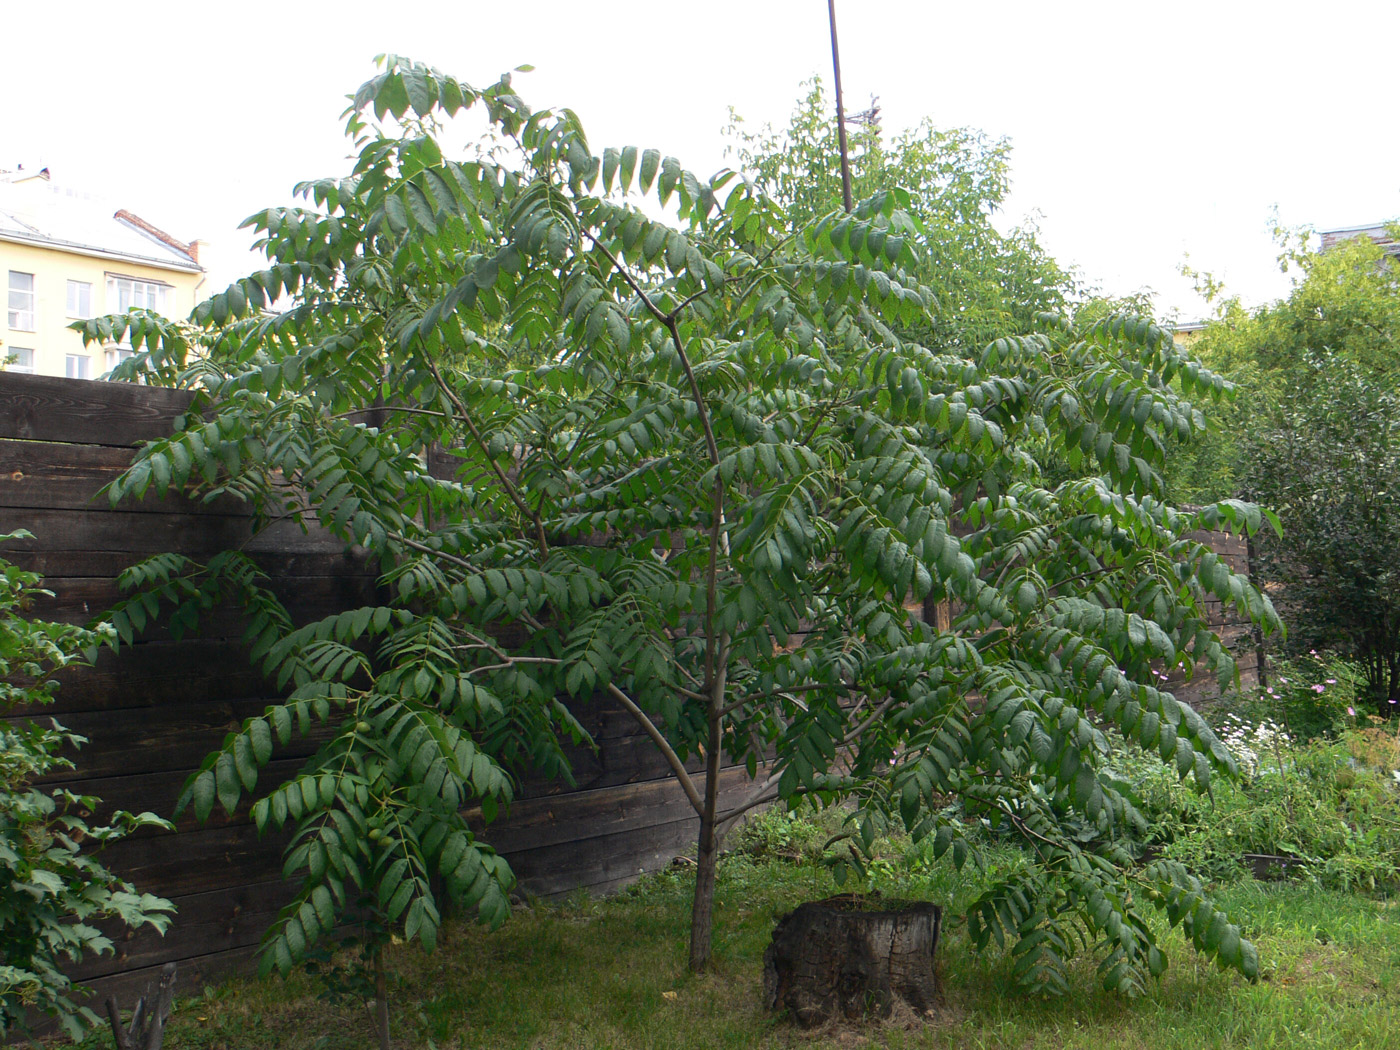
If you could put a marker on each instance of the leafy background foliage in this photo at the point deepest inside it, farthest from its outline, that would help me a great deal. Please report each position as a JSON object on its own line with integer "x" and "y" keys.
{"x": 700, "y": 465}
{"x": 985, "y": 283}
{"x": 1313, "y": 435}
{"x": 53, "y": 888}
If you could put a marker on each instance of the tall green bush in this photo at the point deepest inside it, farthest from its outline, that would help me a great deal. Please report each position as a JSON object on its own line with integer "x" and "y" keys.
{"x": 1315, "y": 434}
{"x": 53, "y": 889}
{"x": 1326, "y": 458}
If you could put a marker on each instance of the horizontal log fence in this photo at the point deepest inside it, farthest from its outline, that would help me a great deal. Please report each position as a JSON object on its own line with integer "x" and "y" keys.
{"x": 155, "y": 709}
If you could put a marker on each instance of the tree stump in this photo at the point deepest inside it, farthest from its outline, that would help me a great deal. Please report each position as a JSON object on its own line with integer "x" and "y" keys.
{"x": 147, "y": 1031}
{"x": 847, "y": 957}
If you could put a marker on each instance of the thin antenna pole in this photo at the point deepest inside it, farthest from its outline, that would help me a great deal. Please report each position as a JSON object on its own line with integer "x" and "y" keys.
{"x": 840, "y": 111}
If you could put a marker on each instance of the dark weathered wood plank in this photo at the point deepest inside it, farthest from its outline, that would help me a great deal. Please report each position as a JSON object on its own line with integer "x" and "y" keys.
{"x": 65, "y": 564}
{"x": 195, "y": 971}
{"x": 553, "y": 820}
{"x": 154, "y": 740}
{"x": 43, "y": 408}
{"x": 220, "y": 920}
{"x": 609, "y": 859}
{"x": 80, "y": 600}
{"x": 625, "y": 760}
{"x": 157, "y": 674}
{"x": 174, "y": 865}
{"x": 56, "y": 476}
{"x": 146, "y": 533}
{"x": 158, "y": 792}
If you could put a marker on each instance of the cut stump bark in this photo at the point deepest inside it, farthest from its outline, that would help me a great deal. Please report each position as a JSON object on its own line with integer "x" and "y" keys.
{"x": 847, "y": 957}
{"x": 147, "y": 1031}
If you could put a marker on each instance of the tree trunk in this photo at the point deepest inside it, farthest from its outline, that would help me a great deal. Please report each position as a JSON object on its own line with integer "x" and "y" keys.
{"x": 702, "y": 913}
{"x": 831, "y": 960}
{"x": 1393, "y": 692}
{"x": 381, "y": 1001}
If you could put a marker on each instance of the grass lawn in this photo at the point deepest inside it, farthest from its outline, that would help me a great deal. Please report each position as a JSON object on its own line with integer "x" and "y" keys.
{"x": 611, "y": 974}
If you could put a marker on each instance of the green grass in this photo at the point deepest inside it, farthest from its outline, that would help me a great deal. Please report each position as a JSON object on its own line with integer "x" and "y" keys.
{"x": 590, "y": 974}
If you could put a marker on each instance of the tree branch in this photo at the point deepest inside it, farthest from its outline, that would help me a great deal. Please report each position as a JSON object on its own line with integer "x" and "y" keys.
{"x": 461, "y": 563}
{"x": 651, "y": 307}
{"x": 763, "y": 795}
{"x": 691, "y": 298}
{"x": 672, "y": 759}
{"x": 391, "y": 408}
{"x": 859, "y": 731}
{"x": 753, "y": 802}
{"x": 511, "y": 661}
{"x": 510, "y": 489}
{"x": 753, "y": 697}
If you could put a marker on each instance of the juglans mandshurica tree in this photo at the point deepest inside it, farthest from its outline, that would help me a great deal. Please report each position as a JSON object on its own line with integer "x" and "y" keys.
{"x": 700, "y": 470}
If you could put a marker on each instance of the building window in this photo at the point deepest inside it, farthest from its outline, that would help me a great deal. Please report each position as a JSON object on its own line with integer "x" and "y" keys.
{"x": 126, "y": 293}
{"x": 117, "y": 355}
{"x": 79, "y": 299}
{"x": 20, "y": 360}
{"x": 77, "y": 366}
{"x": 22, "y": 301}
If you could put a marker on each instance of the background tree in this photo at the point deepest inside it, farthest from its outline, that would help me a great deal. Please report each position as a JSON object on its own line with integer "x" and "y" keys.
{"x": 1313, "y": 435}
{"x": 699, "y": 467}
{"x": 985, "y": 283}
{"x": 1327, "y": 459}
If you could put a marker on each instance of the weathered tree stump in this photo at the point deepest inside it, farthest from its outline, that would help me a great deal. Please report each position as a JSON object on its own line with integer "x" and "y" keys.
{"x": 147, "y": 1031}
{"x": 848, "y": 957}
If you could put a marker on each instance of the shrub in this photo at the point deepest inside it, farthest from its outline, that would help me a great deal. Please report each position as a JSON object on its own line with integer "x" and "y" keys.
{"x": 1313, "y": 695}
{"x": 1319, "y": 801}
{"x": 52, "y": 889}
{"x": 797, "y": 835}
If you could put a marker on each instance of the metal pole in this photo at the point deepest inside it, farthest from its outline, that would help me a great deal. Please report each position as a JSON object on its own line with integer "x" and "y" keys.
{"x": 840, "y": 111}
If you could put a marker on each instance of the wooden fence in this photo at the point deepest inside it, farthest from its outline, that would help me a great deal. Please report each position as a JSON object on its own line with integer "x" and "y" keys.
{"x": 154, "y": 710}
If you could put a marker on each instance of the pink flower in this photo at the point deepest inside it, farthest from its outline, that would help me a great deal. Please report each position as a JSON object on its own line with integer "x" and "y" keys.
{"x": 1312, "y": 652}
{"x": 1351, "y": 711}
{"x": 1319, "y": 688}
{"x": 1331, "y": 681}
{"x": 1270, "y": 691}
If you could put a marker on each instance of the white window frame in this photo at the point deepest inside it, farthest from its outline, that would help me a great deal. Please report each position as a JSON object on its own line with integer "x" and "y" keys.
{"x": 77, "y": 366}
{"x": 18, "y": 315}
{"x": 19, "y": 364}
{"x": 75, "y": 304}
{"x": 141, "y": 294}
{"x": 115, "y": 355}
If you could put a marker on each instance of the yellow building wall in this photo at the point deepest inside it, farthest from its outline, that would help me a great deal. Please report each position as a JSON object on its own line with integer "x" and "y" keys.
{"x": 51, "y": 340}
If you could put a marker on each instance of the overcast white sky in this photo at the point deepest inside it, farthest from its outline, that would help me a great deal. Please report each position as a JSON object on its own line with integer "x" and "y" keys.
{"x": 1140, "y": 132}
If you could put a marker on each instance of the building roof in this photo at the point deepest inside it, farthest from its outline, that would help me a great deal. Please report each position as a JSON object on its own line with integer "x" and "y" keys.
{"x": 35, "y": 211}
{"x": 1377, "y": 231}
